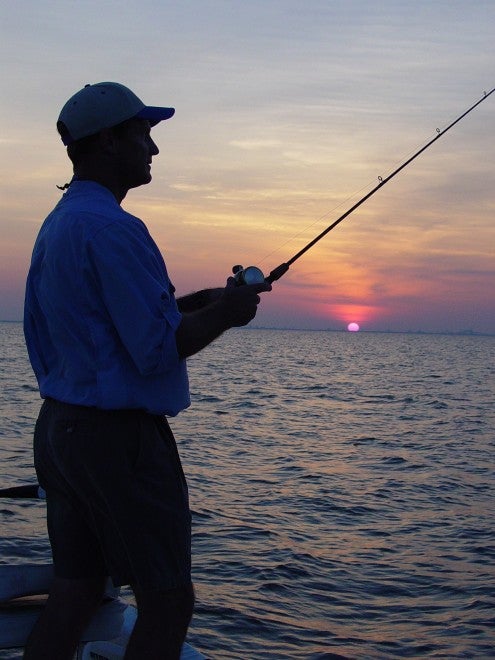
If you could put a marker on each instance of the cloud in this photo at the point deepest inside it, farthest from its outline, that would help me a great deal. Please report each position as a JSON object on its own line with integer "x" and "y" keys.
{"x": 254, "y": 144}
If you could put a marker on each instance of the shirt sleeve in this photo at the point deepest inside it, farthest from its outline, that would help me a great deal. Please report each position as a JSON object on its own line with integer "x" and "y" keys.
{"x": 132, "y": 280}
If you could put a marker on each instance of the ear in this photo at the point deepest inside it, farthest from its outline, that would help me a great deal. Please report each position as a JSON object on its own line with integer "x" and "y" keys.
{"x": 108, "y": 140}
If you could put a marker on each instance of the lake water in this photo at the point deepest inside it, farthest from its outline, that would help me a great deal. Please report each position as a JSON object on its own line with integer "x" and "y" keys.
{"x": 342, "y": 487}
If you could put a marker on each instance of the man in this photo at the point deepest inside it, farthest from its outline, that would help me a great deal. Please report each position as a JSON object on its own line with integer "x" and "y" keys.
{"x": 108, "y": 343}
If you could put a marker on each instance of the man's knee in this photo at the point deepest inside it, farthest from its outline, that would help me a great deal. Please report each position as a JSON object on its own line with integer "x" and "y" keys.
{"x": 84, "y": 592}
{"x": 162, "y": 623}
{"x": 167, "y": 604}
{"x": 67, "y": 612}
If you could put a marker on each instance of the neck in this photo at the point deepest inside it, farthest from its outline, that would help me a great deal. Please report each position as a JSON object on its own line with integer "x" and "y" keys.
{"x": 104, "y": 178}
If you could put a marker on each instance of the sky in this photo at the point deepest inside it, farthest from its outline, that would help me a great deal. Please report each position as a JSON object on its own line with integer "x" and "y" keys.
{"x": 287, "y": 112}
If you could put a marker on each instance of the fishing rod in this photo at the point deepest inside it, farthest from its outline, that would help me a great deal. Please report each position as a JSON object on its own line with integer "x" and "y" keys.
{"x": 254, "y": 275}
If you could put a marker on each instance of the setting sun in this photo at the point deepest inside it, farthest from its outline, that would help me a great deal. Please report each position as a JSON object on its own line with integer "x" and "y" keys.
{"x": 353, "y": 327}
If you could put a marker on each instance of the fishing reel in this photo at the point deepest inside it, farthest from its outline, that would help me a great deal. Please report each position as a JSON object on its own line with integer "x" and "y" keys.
{"x": 249, "y": 275}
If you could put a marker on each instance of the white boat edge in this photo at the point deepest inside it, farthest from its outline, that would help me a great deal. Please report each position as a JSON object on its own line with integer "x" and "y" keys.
{"x": 21, "y": 586}
{"x": 115, "y": 649}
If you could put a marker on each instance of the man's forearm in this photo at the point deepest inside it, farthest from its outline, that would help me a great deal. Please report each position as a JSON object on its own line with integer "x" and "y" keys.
{"x": 233, "y": 306}
{"x": 195, "y": 301}
{"x": 199, "y": 328}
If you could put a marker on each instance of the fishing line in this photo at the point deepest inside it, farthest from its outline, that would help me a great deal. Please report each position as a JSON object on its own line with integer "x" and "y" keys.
{"x": 319, "y": 219}
{"x": 253, "y": 275}
{"x": 337, "y": 206}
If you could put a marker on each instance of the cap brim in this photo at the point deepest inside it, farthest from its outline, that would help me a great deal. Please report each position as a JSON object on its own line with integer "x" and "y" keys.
{"x": 155, "y": 114}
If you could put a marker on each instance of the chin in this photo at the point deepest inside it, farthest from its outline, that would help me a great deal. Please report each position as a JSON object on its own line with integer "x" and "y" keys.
{"x": 142, "y": 181}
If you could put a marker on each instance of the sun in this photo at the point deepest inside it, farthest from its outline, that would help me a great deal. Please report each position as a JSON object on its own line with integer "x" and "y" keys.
{"x": 353, "y": 327}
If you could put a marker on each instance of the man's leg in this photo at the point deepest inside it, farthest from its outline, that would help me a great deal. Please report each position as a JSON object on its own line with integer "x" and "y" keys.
{"x": 68, "y": 610}
{"x": 162, "y": 623}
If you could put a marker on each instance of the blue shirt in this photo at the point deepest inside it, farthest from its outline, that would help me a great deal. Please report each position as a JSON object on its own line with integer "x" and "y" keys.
{"x": 100, "y": 313}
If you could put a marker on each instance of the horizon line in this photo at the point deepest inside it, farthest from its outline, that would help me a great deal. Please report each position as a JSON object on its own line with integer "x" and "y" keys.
{"x": 455, "y": 333}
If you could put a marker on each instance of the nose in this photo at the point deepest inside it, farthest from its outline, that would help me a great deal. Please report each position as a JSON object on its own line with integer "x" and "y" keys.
{"x": 154, "y": 151}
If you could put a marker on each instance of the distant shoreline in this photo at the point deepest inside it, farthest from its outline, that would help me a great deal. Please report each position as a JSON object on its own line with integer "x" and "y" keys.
{"x": 459, "y": 333}
{"x": 447, "y": 333}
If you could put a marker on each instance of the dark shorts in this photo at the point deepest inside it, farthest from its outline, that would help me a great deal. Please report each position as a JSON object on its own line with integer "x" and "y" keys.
{"x": 117, "y": 501}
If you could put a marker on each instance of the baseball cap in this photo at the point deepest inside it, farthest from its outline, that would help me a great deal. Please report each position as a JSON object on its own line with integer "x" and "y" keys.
{"x": 104, "y": 105}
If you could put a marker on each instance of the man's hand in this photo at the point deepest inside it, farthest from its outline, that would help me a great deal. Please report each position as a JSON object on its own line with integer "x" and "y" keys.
{"x": 231, "y": 307}
{"x": 238, "y": 304}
